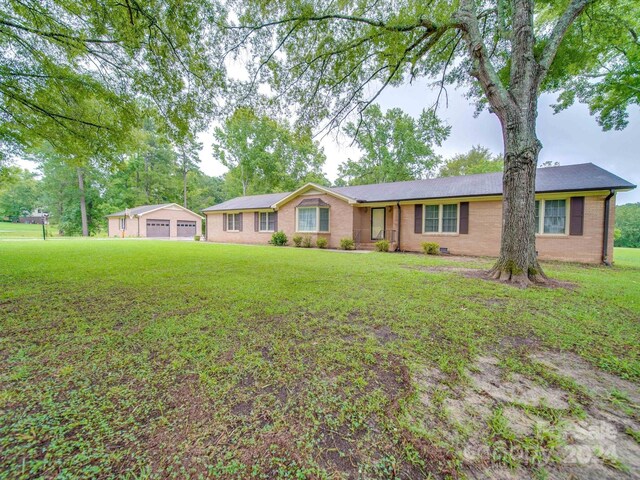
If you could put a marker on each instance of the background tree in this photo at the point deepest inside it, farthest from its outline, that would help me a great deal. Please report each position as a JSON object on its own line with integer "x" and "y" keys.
{"x": 188, "y": 160}
{"x": 333, "y": 59}
{"x": 19, "y": 194}
{"x": 628, "y": 225}
{"x": 395, "y": 147}
{"x": 477, "y": 160}
{"x": 264, "y": 155}
{"x": 63, "y": 198}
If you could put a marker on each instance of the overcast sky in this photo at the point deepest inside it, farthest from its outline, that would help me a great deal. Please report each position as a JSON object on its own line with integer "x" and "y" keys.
{"x": 571, "y": 136}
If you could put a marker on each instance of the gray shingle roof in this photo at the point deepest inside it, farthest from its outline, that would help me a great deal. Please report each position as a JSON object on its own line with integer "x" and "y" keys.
{"x": 139, "y": 210}
{"x": 582, "y": 177}
{"x": 248, "y": 202}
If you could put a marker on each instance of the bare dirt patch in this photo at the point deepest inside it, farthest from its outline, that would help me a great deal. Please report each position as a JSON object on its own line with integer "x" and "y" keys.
{"x": 384, "y": 334}
{"x": 509, "y": 425}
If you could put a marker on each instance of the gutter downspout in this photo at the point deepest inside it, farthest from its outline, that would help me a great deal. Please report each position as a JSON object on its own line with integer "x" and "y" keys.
{"x": 605, "y": 238}
{"x": 399, "y": 227}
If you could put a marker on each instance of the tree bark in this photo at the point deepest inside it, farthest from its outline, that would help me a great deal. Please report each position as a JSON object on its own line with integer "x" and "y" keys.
{"x": 518, "y": 262}
{"x": 83, "y": 203}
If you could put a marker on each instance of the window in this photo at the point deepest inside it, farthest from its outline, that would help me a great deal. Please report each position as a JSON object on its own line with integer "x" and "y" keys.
{"x": 441, "y": 218}
{"x": 313, "y": 219}
{"x": 267, "y": 221}
{"x": 555, "y": 216}
{"x": 551, "y": 217}
{"x": 123, "y": 223}
{"x": 324, "y": 219}
{"x": 432, "y": 218}
{"x": 233, "y": 222}
{"x": 450, "y": 218}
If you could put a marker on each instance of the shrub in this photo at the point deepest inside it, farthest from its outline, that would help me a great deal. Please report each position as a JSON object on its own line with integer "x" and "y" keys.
{"x": 382, "y": 246}
{"x": 431, "y": 248}
{"x": 307, "y": 242}
{"x": 297, "y": 240}
{"x": 279, "y": 239}
{"x": 322, "y": 242}
{"x": 197, "y": 238}
{"x": 347, "y": 244}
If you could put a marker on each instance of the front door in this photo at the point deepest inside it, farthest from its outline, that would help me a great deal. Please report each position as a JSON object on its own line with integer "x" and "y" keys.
{"x": 377, "y": 223}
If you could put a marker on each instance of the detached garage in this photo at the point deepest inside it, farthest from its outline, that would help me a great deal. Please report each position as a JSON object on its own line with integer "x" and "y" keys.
{"x": 168, "y": 220}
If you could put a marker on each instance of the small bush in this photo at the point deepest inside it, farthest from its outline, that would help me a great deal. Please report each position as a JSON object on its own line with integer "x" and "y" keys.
{"x": 382, "y": 246}
{"x": 197, "y": 238}
{"x": 322, "y": 242}
{"x": 297, "y": 240}
{"x": 279, "y": 239}
{"x": 431, "y": 248}
{"x": 347, "y": 244}
{"x": 307, "y": 242}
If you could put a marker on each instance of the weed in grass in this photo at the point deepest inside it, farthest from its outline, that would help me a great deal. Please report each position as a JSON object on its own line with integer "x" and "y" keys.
{"x": 611, "y": 461}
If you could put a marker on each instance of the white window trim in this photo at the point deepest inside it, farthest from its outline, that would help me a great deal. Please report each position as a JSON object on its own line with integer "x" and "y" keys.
{"x": 317, "y": 230}
{"x": 235, "y": 224}
{"x": 260, "y": 221}
{"x": 123, "y": 223}
{"x": 541, "y": 218}
{"x": 440, "y": 210}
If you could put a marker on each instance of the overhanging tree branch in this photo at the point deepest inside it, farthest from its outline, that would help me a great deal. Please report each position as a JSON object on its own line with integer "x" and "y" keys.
{"x": 575, "y": 8}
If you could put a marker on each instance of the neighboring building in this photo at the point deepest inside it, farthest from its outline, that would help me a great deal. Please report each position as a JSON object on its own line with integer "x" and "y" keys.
{"x": 38, "y": 216}
{"x": 168, "y": 220}
{"x": 462, "y": 214}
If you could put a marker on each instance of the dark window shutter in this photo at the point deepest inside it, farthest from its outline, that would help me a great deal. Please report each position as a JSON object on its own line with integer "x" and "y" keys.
{"x": 239, "y": 226}
{"x": 256, "y": 221}
{"x": 224, "y": 222}
{"x": 576, "y": 212}
{"x": 417, "y": 228}
{"x": 275, "y": 221}
{"x": 464, "y": 217}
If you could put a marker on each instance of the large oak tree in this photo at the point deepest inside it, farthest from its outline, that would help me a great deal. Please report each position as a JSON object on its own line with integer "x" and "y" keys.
{"x": 333, "y": 59}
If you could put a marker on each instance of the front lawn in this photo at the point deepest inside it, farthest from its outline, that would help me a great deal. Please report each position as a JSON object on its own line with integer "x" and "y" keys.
{"x": 11, "y": 231}
{"x": 154, "y": 359}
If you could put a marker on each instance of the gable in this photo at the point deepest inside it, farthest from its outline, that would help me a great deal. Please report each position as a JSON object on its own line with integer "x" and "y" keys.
{"x": 311, "y": 189}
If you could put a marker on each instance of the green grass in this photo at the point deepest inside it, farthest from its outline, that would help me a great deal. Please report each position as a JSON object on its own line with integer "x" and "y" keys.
{"x": 10, "y": 231}
{"x": 627, "y": 256}
{"x": 148, "y": 359}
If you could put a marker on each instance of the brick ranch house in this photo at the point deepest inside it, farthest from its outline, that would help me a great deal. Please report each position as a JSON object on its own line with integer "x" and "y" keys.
{"x": 168, "y": 220}
{"x": 575, "y": 210}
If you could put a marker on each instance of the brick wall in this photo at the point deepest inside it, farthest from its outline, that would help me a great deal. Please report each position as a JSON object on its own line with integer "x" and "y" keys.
{"x": 341, "y": 217}
{"x": 485, "y": 220}
{"x": 483, "y": 239}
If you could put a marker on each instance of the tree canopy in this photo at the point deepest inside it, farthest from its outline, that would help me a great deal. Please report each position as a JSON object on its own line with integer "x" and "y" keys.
{"x": 477, "y": 160}
{"x": 72, "y": 72}
{"x": 265, "y": 155}
{"x": 395, "y": 147}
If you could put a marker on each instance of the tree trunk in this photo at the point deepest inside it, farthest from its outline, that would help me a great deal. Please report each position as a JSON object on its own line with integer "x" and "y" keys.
{"x": 83, "y": 203}
{"x": 184, "y": 186}
{"x": 518, "y": 262}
